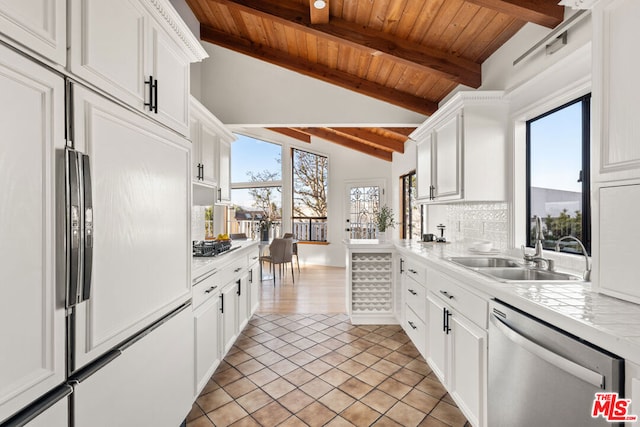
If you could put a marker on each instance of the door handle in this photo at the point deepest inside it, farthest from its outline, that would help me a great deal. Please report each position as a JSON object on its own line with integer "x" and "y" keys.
{"x": 151, "y": 93}
{"x": 88, "y": 227}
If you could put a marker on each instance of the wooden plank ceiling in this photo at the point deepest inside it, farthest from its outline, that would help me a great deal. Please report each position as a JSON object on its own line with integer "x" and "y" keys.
{"x": 410, "y": 53}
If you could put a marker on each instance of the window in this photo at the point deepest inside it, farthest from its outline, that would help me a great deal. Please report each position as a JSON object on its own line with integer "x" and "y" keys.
{"x": 558, "y": 175}
{"x": 256, "y": 187}
{"x": 309, "y": 196}
{"x": 411, "y": 220}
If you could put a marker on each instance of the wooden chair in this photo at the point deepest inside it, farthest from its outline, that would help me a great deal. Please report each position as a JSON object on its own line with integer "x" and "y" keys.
{"x": 280, "y": 253}
{"x": 295, "y": 249}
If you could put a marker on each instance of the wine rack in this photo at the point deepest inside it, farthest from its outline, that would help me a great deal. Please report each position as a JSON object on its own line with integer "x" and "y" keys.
{"x": 371, "y": 283}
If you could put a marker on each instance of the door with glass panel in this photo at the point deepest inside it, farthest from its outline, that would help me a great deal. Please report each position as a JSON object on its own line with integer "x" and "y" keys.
{"x": 363, "y": 199}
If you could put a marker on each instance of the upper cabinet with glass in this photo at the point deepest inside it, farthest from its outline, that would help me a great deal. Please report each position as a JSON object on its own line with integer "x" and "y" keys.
{"x": 461, "y": 150}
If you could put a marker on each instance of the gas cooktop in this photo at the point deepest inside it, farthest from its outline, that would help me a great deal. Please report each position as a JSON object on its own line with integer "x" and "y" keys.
{"x": 209, "y": 248}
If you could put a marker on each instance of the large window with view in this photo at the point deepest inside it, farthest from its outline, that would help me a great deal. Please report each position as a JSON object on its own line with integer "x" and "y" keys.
{"x": 558, "y": 176}
{"x": 309, "y": 195}
{"x": 256, "y": 188}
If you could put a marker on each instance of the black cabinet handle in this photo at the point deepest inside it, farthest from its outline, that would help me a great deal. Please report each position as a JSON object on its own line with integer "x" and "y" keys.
{"x": 222, "y": 303}
{"x": 412, "y": 292}
{"x": 401, "y": 264}
{"x": 446, "y": 294}
{"x": 412, "y": 325}
{"x": 211, "y": 289}
{"x": 447, "y": 329}
{"x": 444, "y": 319}
{"x": 151, "y": 93}
{"x": 155, "y": 96}
{"x": 239, "y": 291}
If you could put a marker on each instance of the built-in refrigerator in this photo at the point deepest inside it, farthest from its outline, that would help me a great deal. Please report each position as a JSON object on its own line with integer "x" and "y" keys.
{"x": 95, "y": 317}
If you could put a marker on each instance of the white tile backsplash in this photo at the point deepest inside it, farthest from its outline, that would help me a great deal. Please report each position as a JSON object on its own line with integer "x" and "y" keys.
{"x": 198, "y": 222}
{"x": 480, "y": 221}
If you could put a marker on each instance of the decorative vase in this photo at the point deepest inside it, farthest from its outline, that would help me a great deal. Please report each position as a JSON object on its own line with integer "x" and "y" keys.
{"x": 264, "y": 235}
{"x": 382, "y": 236}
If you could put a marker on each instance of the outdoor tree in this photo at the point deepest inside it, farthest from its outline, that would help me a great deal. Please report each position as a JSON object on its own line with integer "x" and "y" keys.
{"x": 310, "y": 175}
{"x": 263, "y": 197}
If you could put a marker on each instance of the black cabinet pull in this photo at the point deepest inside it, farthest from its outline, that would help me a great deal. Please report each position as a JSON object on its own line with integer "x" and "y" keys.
{"x": 412, "y": 325}
{"x": 211, "y": 289}
{"x": 239, "y": 291}
{"x": 447, "y": 329}
{"x": 411, "y": 270}
{"x": 222, "y": 303}
{"x": 444, "y": 319}
{"x": 151, "y": 92}
{"x": 155, "y": 96}
{"x": 446, "y": 294}
{"x": 401, "y": 264}
{"x": 412, "y": 292}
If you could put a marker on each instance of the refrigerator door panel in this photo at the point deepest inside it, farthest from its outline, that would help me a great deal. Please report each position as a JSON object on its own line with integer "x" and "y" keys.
{"x": 140, "y": 179}
{"x": 32, "y": 316}
{"x": 142, "y": 390}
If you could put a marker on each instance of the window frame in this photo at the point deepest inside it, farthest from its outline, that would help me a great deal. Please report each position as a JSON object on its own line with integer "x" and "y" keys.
{"x": 403, "y": 189}
{"x": 294, "y": 217}
{"x": 585, "y": 100}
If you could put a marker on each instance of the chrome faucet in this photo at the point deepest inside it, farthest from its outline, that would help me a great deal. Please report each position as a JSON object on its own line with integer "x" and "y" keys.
{"x": 587, "y": 272}
{"x": 537, "y": 259}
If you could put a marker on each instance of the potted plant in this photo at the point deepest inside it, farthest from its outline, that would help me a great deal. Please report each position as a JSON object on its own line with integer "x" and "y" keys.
{"x": 383, "y": 220}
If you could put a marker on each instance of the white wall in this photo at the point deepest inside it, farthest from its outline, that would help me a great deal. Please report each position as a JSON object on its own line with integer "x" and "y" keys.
{"x": 241, "y": 90}
{"x": 344, "y": 165}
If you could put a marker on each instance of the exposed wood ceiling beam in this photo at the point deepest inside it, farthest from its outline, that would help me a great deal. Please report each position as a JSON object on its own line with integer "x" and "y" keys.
{"x": 401, "y": 132}
{"x": 543, "y": 12}
{"x": 376, "y": 43}
{"x": 293, "y": 133}
{"x": 319, "y": 16}
{"x": 327, "y": 74}
{"x": 369, "y": 136}
{"x": 331, "y": 136}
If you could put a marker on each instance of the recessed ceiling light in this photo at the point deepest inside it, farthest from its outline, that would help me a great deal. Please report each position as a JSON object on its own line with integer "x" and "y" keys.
{"x": 319, "y": 4}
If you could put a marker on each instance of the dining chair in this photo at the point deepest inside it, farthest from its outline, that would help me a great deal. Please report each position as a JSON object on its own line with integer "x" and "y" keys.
{"x": 295, "y": 248}
{"x": 280, "y": 253}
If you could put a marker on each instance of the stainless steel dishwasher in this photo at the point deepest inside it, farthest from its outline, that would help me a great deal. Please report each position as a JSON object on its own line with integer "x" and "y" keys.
{"x": 541, "y": 376}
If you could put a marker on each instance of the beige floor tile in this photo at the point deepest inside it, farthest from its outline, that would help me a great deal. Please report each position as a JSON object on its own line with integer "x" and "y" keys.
{"x": 408, "y": 377}
{"x": 351, "y": 367}
{"x": 256, "y": 350}
{"x": 247, "y": 421}
{"x": 338, "y": 422}
{"x": 275, "y": 344}
{"x": 335, "y": 377}
{"x": 448, "y": 414}
{"x": 378, "y": 350}
{"x": 347, "y": 350}
{"x": 288, "y": 350}
{"x": 356, "y": 388}
{"x": 302, "y": 358}
{"x": 211, "y": 386}
{"x": 405, "y": 415}
{"x": 263, "y": 377}
{"x": 278, "y": 388}
{"x": 366, "y": 359}
{"x": 237, "y": 358}
{"x": 295, "y": 400}
{"x": 255, "y": 400}
{"x": 318, "y": 350}
{"x": 379, "y": 400}
{"x": 299, "y": 377}
{"x": 195, "y": 412}
{"x": 394, "y": 388}
{"x": 419, "y": 366}
{"x": 269, "y": 358}
{"x": 283, "y": 367}
{"x": 391, "y": 344}
{"x": 317, "y": 367}
{"x": 386, "y": 367}
{"x": 227, "y": 414}
{"x": 432, "y": 388}
{"x": 337, "y": 400}
{"x": 240, "y": 387}
{"x": 262, "y": 337}
{"x": 200, "y": 422}
{"x": 316, "y": 414}
{"x": 316, "y": 388}
{"x": 420, "y": 401}
{"x": 249, "y": 367}
{"x": 447, "y": 398}
{"x": 371, "y": 377}
{"x": 213, "y": 400}
{"x": 360, "y": 414}
{"x": 386, "y": 422}
{"x": 271, "y": 415}
{"x": 398, "y": 358}
{"x": 430, "y": 421}
{"x": 333, "y": 343}
{"x": 293, "y": 421}
{"x": 334, "y": 358}
{"x": 227, "y": 376}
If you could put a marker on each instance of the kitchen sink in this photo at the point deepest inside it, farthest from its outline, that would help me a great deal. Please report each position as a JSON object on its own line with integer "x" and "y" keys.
{"x": 482, "y": 262}
{"x": 527, "y": 274}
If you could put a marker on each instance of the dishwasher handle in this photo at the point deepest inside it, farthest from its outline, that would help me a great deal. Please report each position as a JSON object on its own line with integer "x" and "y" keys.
{"x": 572, "y": 368}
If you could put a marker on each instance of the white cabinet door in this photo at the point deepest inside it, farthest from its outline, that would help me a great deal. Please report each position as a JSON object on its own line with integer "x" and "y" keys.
{"x": 208, "y": 145}
{"x": 448, "y": 166}
{"x": 437, "y": 352}
{"x": 468, "y": 367}
{"x": 32, "y": 322}
{"x": 108, "y": 45}
{"x": 254, "y": 284}
{"x": 41, "y": 26}
{"x": 149, "y": 384}
{"x": 424, "y": 168}
{"x": 616, "y": 127}
{"x": 229, "y": 309}
{"x": 615, "y": 221}
{"x": 170, "y": 69}
{"x": 194, "y": 133}
{"x": 142, "y": 247}
{"x": 224, "y": 169}
{"x": 207, "y": 342}
{"x": 244, "y": 295}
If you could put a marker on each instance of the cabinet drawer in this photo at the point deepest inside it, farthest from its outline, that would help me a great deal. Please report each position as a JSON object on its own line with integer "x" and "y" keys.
{"x": 252, "y": 258}
{"x": 416, "y": 297}
{"x": 468, "y": 304}
{"x": 415, "y": 269}
{"x": 206, "y": 289}
{"x": 416, "y": 330}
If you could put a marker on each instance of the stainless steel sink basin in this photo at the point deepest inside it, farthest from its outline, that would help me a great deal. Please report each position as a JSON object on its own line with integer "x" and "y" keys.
{"x": 527, "y": 274}
{"x": 482, "y": 262}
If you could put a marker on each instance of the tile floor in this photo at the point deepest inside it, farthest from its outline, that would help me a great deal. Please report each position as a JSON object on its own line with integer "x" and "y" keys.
{"x": 319, "y": 370}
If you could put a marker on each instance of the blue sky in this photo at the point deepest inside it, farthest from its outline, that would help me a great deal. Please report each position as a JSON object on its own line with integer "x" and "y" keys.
{"x": 557, "y": 140}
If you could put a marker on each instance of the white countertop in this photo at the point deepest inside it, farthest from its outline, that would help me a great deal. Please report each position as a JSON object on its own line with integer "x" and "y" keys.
{"x": 607, "y": 322}
{"x": 200, "y": 266}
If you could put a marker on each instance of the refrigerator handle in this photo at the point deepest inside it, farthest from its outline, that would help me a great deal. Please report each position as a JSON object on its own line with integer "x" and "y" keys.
{"x": 73, "y": 224}
{"x": 88, "y": 227}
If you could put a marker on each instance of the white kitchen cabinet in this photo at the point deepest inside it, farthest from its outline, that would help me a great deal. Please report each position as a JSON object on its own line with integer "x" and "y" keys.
{"x": 244, "y": 296}
{"x": 206, "y": 321}
{"x": 254, "y": 284}
{"x": 616, "y": 153}
{"x": 208, "y": 135}
{"x": 224, "y": 172}
{"x": 457, "y": 344}
{"x": 144, "y": 63}
{"x": 40, "y": 26}
{"x": 461, "y": 150}
{"x": 33, "y": 334}
{"x": 414, "y": 310}
{"x": 632, "y": 386}
{"x": 229, "y": 318}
